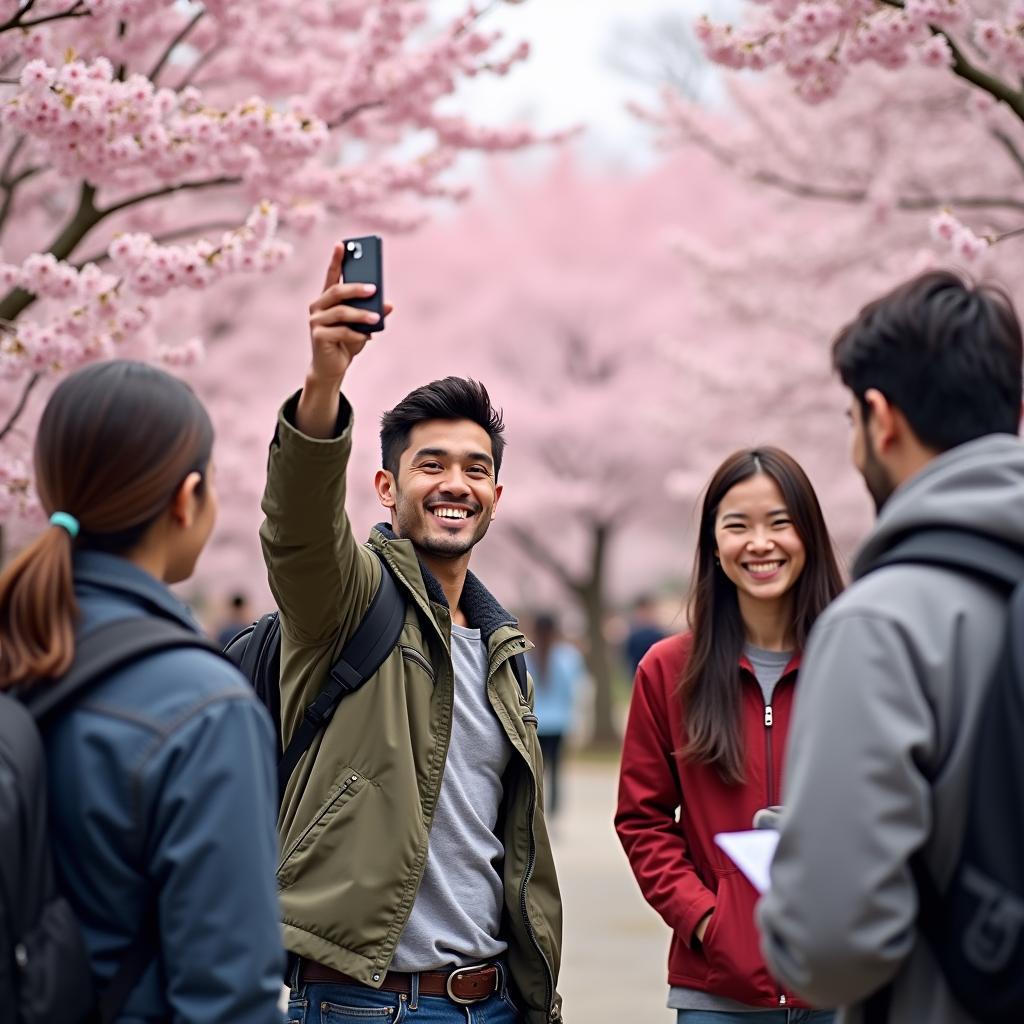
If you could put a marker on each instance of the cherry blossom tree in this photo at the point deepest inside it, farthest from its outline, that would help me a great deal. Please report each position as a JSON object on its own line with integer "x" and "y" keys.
{"x": 824, "y": 47}
{"x": 151, "y": 148}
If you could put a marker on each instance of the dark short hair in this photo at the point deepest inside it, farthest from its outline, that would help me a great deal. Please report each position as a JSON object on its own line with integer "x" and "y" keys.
{"x": 454, "y": 398}
{"x": 944, "y": 351}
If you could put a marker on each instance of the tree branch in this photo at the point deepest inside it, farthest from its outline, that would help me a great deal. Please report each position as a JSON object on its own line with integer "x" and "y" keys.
{"x": 852, "y": 196}
{"x": 20, "y": 407}
{"x": 355, "y": 112}
{"x": 200, "y": 63}
{"x": 169, "y": 190}
{"x": 969, "y": 72}
{"x": 9, "y": 186}
{"x": 73, "y": 11}
{"x": 174, "y": 44}
{"x": 1008, "y": 144}
{"x": 540, "y": 553}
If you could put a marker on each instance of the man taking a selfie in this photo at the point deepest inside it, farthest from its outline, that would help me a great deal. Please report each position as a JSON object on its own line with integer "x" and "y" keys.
{"x": 416, "y": 874}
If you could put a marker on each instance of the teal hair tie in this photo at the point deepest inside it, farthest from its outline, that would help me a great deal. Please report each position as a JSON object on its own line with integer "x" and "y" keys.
{"x": 66, "y": 521}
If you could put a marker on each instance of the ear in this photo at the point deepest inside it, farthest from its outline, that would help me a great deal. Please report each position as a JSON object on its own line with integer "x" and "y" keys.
{"x": 186, "y": 501}
{"x": 386, "y": 487}
{"x": 497, "y": 494}
{"x": 884, "y": 421}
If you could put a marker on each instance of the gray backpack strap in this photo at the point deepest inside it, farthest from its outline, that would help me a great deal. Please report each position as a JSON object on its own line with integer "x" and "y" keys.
{"x": 960, "y": 550}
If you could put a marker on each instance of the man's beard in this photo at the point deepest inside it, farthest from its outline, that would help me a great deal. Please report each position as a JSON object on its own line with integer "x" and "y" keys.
{"x": 407, "y": 522}
{"x": 876, "y": 476}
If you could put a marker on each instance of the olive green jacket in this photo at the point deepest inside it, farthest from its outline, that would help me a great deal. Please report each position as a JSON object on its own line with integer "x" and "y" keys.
{"x": 356, "y": 815}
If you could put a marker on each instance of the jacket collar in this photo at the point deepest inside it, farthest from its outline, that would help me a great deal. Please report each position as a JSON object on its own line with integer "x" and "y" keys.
{"x": 480, "y": 607}
{"x": 97, "y": 571}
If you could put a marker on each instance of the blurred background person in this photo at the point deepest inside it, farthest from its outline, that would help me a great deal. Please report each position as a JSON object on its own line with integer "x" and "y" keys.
{"x": 239, "y": 617}
{"x": 558, "y": 670}
{"x": 644, "y": 632}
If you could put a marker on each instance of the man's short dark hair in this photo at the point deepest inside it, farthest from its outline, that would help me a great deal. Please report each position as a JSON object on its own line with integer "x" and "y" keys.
{"x": 454, "y": 398}
{"x": 944, "y": 351}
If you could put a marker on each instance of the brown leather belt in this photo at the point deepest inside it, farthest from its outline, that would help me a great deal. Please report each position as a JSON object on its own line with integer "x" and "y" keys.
{"x": 464, "y": 985}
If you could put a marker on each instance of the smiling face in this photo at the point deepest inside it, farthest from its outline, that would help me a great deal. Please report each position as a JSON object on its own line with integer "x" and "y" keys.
{"x": 756, "y": 541}
{"x": 445, "y": 496}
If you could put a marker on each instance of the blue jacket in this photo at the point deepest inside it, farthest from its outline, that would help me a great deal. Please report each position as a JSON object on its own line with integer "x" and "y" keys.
{"x": 555, "y": 688}
{"x": 162, "y": 790}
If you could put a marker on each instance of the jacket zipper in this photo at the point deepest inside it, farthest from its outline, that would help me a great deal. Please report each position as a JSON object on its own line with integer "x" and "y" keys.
{"x": 532, "y": 858}
{"x": 770, "y": 769}
{"x": 531, "y": 861}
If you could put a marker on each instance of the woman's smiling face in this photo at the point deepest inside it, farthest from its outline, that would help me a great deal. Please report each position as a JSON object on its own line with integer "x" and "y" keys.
{"x": 756, "y": 542}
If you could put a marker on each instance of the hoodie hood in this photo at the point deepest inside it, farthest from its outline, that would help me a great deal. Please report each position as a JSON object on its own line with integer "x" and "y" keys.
{"x": 977, "y": 486}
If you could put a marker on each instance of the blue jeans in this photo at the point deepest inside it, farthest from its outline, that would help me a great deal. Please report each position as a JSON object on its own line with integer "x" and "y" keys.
{"x": 318, "y": 1003}
{"x": 756, "y": 1017}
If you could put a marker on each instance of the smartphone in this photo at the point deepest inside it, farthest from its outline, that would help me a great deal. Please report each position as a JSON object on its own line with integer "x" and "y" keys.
{"x": 363, "y": 264}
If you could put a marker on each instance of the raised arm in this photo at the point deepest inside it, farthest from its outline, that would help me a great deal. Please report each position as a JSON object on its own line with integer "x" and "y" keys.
{"x": 321, "y": 577}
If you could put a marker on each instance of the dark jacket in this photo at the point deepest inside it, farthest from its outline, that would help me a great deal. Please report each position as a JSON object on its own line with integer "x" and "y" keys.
{"x": 682, "y": 872}
{"x": 162, "y": 794}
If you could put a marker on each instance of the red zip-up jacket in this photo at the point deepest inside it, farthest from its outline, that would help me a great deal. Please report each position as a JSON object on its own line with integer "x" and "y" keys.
{"x": 681, "y": 872}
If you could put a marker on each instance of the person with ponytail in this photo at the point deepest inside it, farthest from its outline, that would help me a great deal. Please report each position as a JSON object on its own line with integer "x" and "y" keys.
{"x": 160, "y": 778}
{"x": 704, "y": 744}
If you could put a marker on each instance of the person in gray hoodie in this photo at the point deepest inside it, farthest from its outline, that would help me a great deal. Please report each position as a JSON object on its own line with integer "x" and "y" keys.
{"x": 896, "y": 670}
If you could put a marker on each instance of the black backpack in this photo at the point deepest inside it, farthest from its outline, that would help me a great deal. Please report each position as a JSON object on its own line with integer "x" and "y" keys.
{"x": 256, "y": 650}
{"x": 975, "y": 927}
{"x": 44, "y": 967}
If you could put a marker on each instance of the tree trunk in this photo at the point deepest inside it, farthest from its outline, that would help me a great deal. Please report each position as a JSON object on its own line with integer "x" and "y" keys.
{"x": 600, "y": 657}
{"x": 589, "y": 593}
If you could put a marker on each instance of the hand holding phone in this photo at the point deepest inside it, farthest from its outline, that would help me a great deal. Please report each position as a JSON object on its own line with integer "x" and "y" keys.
{"x": 362, "y": 263}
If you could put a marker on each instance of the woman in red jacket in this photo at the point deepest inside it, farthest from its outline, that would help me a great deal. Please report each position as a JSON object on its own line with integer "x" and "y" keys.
{"x": 707, "y": 730}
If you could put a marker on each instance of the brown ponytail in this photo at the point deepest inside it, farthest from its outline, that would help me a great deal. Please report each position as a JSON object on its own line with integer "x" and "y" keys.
{"x": 115, "y": 442}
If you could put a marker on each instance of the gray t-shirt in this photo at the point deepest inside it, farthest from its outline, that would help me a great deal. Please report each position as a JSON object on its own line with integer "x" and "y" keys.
{"x": 456, "y": 917}
{"x": 768, "y": 667}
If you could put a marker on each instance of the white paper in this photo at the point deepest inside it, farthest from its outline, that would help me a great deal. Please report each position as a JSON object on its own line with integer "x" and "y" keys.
{"x": 752, "y": 853}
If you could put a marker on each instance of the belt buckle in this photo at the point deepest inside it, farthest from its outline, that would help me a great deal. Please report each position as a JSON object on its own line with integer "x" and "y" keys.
{"x": 457, "y": 973}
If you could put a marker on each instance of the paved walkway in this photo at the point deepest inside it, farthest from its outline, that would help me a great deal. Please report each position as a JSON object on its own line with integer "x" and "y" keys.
{"x": 615, "y": 947}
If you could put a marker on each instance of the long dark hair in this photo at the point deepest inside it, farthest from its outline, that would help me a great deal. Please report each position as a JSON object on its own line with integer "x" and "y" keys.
{"x": 115, "y": 442}
{"x": 710, "y": 688}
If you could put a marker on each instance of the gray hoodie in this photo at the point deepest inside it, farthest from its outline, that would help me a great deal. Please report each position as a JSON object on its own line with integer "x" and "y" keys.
{"x": 883, "y": 730}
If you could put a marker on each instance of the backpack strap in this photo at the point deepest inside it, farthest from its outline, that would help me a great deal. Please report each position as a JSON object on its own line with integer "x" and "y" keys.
{"x": 106, "y": 649}
{"x": 374, "y": 639}
{"x": 960, "y": 550}
{"x": 519, "y": 670}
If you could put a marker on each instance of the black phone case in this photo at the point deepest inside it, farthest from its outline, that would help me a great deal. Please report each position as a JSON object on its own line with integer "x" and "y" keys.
{"x": 362, "y": 264}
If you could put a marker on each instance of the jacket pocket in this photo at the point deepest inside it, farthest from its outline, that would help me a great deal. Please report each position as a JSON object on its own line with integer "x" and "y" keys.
{"x": 731, "y": 944}
{"x": 328, "y": 817}
{"x": 413, "y": 656}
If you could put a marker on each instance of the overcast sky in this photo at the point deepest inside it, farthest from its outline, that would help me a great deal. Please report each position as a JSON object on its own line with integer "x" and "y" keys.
{"x": 571, "y": 76}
